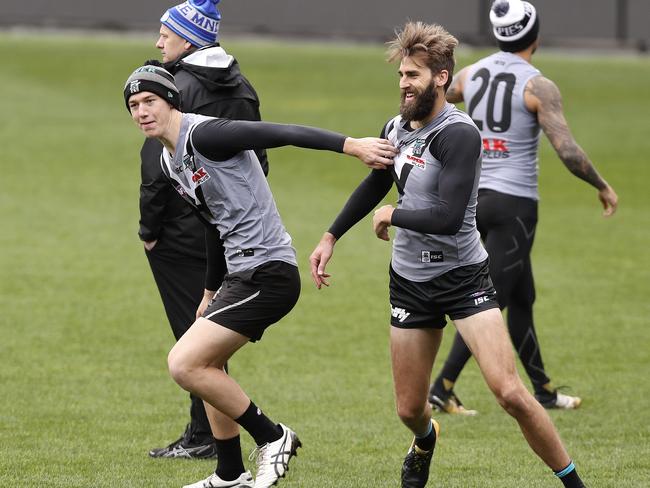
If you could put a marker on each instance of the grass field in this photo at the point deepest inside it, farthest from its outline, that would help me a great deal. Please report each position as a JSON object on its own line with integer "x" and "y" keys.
{"x": 84, "y": 387}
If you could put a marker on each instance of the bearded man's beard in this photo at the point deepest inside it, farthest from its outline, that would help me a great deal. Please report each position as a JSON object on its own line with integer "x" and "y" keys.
{"x": 420, "y": 107}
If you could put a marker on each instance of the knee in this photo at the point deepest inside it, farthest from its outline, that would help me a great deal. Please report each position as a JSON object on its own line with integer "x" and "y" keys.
{"x": 180, "y": 369}
{"x": 410, "y": 412}
{"x": 512, "y": 396}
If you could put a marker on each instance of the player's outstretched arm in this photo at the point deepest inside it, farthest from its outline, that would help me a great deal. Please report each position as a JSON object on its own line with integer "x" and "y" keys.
{"x": 319, "y": 259}
{"x": 374, "y": 152}
{"x": 221, "y": 139}
{"x": 543, "y": 97}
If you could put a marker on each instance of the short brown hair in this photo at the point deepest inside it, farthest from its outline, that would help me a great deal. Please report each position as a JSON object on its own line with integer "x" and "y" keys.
{"x": 433, "y": 40}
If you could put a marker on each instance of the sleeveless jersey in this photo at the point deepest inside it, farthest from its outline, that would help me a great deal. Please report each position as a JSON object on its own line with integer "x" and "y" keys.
{"x": 418, "y": 256}
{"x": 234, "y": 196}
{"x": 494, "y": 98}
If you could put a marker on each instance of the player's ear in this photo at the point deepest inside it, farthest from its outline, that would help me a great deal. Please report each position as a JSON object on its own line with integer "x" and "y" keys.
{"x": 441, "y": 77}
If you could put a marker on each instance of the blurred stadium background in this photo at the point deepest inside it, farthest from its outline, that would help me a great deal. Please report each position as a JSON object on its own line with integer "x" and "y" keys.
{"x": 595, "y": 23}
{"x": 84, "y": 391}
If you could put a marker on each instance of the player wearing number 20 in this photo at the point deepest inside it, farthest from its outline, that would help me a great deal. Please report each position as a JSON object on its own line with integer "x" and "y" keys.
{"x": 509, "y": 101}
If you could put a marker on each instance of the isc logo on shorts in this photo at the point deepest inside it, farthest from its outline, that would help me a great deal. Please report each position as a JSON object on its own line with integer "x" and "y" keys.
{"x": 399, "y": 313}
{"x": 480, "y": 297}
{"x": 479, "y": 300}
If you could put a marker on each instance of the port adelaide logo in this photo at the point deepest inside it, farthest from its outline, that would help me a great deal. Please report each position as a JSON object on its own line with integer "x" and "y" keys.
{"x": 417, "y": 149}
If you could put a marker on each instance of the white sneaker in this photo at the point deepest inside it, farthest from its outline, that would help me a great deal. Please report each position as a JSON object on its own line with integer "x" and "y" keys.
{"x": 273, "y": 458}
{"x": 555, "y": 399}
{"x": 245, "y": 480}
{"x": 567, "y": 402}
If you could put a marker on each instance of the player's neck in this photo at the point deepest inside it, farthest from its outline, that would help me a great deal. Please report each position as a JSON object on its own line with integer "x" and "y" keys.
{"x": 526, "y": 55}
{"x": 171, "y": 133}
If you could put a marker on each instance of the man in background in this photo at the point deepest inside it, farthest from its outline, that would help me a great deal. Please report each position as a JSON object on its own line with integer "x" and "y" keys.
{"x": 210, "y": 83}
{"x": 510, "y": 100}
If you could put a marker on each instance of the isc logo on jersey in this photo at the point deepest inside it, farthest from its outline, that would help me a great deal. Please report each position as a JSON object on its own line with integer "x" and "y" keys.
{"x": 200, "y": 176}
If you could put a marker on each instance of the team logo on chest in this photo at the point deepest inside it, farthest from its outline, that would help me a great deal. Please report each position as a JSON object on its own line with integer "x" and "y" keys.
{"x": 188, "y": 162}
{"x": 417, "y": 149}
{"x": 200, "y": 176}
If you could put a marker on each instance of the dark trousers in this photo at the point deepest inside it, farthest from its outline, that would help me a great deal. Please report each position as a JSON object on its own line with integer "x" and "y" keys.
{"x": 507, "y": 227}
{"x": 181, "y": 281}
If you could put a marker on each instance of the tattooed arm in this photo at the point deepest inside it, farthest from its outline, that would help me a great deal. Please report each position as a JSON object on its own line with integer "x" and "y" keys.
{"x": 543, "y": 97}
{"x": 455, "y": 91}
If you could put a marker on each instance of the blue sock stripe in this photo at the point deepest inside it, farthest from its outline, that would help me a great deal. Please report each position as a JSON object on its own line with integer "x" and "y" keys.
{"x": 565, "y": 471}
{"x": 422, "y": 436}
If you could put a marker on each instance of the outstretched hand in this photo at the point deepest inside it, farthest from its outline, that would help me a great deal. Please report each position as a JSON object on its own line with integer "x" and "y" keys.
{"x": 609, "y": 199}
{"x": 373, "y": 152}
{"x": 319, "y": 259}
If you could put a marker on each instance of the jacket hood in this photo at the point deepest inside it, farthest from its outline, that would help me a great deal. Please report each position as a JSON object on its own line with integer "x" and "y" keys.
{"x": 211, "y": 65}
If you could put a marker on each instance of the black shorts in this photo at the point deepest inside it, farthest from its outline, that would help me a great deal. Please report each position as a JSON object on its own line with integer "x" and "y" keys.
{"x": 459, "y": 293}
{"x": 250, "y": 301}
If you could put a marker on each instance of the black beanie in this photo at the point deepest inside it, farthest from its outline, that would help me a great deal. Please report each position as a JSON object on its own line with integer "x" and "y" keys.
{"x": 154, "y": 79}
{"x": 515, "y": 24}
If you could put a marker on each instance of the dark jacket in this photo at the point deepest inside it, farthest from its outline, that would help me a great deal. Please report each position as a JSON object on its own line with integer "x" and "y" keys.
{"x": 210, "y": 83}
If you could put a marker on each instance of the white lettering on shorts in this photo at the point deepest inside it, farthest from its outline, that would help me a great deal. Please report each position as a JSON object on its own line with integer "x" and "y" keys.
{"x": 399, "y": 313}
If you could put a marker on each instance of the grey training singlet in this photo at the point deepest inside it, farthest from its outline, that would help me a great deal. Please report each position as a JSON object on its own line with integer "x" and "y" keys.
{"x": 234, "y": 196}
{"x": 417, "y": 256}
{"x": 494, "y": 98}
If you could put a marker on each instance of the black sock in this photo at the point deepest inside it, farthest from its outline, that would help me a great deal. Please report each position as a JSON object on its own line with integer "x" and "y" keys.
{"x": 259, "y": 426}
{"x": 569, "y": 477}
{"x": 456, "y": 361}
{"x": 427, "y": 441}
{"x": 229, "y": 462}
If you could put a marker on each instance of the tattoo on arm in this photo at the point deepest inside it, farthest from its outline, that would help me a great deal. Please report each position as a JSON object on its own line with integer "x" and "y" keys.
{"x": 550, "y": 115}
{"x": 455, "y": 91}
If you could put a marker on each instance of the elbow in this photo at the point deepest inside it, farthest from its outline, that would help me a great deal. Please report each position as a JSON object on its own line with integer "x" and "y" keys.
{"x": 451, "y": 227}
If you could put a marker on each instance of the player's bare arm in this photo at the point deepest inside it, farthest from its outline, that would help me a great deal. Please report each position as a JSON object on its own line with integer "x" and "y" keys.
{"x": 455, "y": 91}
{"x": 543, "y": 97}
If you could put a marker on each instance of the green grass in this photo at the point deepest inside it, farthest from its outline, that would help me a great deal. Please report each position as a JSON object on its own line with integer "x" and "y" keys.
{"x": 85, "y": 391}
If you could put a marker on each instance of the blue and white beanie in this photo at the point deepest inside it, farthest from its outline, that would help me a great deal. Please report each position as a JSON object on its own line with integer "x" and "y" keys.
{"x": 196, "y": 21}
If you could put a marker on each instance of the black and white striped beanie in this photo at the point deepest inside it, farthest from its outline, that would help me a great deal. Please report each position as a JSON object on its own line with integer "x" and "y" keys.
{"x": 154, "y": 79}
{"x": 515, "y": 24}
